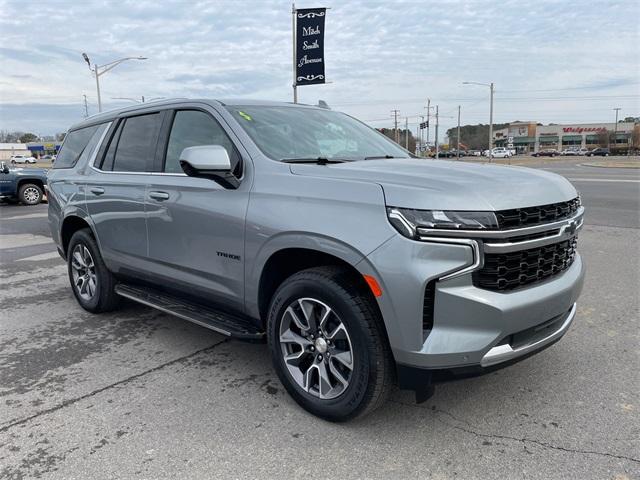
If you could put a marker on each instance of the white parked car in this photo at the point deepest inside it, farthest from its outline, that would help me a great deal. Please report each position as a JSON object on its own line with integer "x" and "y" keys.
{"x": 569, "y": 151}
{"x": 22, "y": 159}
{"x": 498, "y": 152}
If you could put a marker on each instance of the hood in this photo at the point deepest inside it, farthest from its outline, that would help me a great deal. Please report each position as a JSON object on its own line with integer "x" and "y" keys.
{"x": 450, "y": 185}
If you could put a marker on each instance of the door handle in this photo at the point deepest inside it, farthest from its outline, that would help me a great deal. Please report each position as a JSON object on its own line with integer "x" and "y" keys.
{"x": 159, "y": 195}
{"x": 97, "y": 190}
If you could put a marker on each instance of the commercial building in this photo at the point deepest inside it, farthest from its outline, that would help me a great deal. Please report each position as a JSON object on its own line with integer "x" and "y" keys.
{"x": 7, "y": 150}
{"x": 529, "y": 137}
{"x": 38, "y": 149}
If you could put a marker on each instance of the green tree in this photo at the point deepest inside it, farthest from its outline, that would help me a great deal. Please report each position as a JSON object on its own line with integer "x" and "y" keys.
{"x": 475, "y": 137}
{"x": 390, "y": 132}
{"x": 28, "y": 137}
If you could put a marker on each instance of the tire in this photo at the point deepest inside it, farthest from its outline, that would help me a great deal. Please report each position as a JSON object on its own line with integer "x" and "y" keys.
{"x": 30, "y": 194}
{"x": 372, "y": 373}
{"x": 102, "y": 297}
{"x": 13, "y": 162}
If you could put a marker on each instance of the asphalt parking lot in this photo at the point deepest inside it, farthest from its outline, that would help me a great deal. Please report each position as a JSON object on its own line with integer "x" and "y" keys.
{"x": 139, "y": 394}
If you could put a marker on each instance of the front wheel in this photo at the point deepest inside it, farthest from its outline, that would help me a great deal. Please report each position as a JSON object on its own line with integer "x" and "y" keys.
{"x": 92, "y": 283}
{"x": 328, "y": 344}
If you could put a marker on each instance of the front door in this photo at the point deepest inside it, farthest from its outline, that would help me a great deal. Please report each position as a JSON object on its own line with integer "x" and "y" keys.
{"x": 196, "y": 226}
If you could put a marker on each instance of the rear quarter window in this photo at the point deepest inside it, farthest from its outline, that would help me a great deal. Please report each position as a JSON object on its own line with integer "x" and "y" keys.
{"x": 79, "y": 143}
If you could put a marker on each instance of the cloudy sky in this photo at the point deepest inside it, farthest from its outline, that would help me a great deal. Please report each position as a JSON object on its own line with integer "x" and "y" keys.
{"x": 551, "y": 61}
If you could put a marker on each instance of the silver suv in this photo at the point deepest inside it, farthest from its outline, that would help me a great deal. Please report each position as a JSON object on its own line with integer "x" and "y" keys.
{"x": 361, "y": 266}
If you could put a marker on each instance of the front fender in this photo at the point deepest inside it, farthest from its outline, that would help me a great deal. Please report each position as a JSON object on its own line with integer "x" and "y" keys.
{"x": 298, "y": 240}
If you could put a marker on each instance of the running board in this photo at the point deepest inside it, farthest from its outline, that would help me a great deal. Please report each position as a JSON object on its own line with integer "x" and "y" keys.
{"x": 227, "y": 324}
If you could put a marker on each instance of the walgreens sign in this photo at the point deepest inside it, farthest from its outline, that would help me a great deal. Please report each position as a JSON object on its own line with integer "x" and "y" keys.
{"x": 583, "y": 129}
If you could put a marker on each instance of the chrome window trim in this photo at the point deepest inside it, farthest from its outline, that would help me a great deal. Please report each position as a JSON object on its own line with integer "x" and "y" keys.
{"x": 514, "y": 232}
{"x": 94, "y": 154}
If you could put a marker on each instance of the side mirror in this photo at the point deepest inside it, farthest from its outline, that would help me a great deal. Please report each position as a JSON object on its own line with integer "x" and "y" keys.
{"x": 209, "y": 161}
{"x": 4, "y": 168}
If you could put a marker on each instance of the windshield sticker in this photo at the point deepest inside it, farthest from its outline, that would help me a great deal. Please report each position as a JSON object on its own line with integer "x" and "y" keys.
{"x": 246, "y": 116}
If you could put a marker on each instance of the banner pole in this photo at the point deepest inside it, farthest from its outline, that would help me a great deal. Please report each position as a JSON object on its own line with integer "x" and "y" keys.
{"x": 293, "y": 49}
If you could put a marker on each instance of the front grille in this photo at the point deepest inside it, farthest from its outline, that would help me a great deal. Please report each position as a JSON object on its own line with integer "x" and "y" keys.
{"x": 506, "y": 271}
{"x": 526, "y": 217}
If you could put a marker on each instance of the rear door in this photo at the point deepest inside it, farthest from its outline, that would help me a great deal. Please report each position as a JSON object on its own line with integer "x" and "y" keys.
{"x": 196, "y": 226}
{"x": 115, "y": 192}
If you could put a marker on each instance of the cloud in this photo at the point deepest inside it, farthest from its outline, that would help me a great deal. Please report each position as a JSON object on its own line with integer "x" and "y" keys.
{"x": 380, "y": 55}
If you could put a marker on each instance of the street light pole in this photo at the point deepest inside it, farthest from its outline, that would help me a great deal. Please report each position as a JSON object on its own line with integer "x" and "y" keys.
{"x": 615, "y": 130}
{"x": 458, "y": 143}
{"x": 102, "y": 69}
{"x": 490, "y": 85}
{"x": 95, "y": 70}
{"x": 437, "y": 124}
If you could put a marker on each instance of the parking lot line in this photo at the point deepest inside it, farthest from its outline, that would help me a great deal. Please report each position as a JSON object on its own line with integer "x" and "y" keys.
{"x": 603, "y": 180}
{"x": 28, "y": 215}
{"x": 22, "y": 240}
{"x": 42, "y": 256}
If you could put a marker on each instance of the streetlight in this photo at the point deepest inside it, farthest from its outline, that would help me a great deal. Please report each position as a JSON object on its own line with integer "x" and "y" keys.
{"x": 102, "y": 69}
{"x": 490, "y": 85}
{"x": 615, "y": 130}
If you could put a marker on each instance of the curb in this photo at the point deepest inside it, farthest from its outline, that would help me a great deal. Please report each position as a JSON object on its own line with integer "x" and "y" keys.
{"x": 603, "y": 165}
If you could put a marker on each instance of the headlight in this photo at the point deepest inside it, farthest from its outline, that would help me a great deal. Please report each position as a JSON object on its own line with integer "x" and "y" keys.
{"x": 407, "y": 220}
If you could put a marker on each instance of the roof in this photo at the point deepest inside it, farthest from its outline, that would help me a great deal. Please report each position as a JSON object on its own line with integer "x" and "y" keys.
{"x": 111, "y": 114}
{"x": 13, "y": 146}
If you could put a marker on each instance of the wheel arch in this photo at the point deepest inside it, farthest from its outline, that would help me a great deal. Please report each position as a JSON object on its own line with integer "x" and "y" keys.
{"x": 278, "y": 264}
{"x": 35, "y": 181}
{"x": 70, "y": 225}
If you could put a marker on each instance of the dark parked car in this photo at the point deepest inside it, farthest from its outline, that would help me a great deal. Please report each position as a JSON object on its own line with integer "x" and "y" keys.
{"x": 24, "y": 184}
{"x": 599, "y": 152}
{"x": 549, "y": 152}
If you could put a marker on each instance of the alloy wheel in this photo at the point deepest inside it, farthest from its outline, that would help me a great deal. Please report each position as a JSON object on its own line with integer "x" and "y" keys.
{"x": 31, "y": 195}
{"x": 83, "y": 272}
{"x": 316, "y": 348}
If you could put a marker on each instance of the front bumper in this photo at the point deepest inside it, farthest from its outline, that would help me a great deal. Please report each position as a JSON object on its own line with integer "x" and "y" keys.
{"x": 472, "y": 327}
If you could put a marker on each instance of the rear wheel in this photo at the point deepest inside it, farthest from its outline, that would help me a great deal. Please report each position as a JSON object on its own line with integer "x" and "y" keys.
{"x": 328, "y": 344}
{"x": 30, "y": 194}
{"x": 92, "y": 283}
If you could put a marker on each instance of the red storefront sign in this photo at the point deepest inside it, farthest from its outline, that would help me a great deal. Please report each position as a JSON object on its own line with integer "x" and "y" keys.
{"x": 583, "y": 129}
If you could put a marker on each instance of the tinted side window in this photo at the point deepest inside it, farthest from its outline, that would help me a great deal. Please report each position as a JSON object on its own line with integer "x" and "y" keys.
{"x": 193, "y": 128}
{"x": 74, "y": 144}
{"x": 110, "y": 155}
{"x": 137, "y": 145}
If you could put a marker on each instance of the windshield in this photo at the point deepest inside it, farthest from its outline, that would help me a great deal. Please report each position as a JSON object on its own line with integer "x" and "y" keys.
{"x": 290, "y": 133}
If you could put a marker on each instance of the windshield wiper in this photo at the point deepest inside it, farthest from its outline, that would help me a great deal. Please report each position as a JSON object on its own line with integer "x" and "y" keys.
{"x": 379, "y": 157}
{"x": 317, "y": 160}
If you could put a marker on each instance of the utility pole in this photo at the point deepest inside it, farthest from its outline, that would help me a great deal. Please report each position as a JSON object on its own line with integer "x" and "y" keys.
{"x": 491, "y": 126}
{"x": 86, "y": 108}
{"x": 406, "y": 133}
{"x": 615, "y": 129}
{"x": 395, "y": 126}
{"x": 437, "y": 124}
{"x": 458, "y": 145}
{"x": 428, "y": 113}
{"x": 418, "y": 142}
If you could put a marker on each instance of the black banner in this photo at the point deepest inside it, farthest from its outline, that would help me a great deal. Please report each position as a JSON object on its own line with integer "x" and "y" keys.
{"x": 310, "y": 46}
